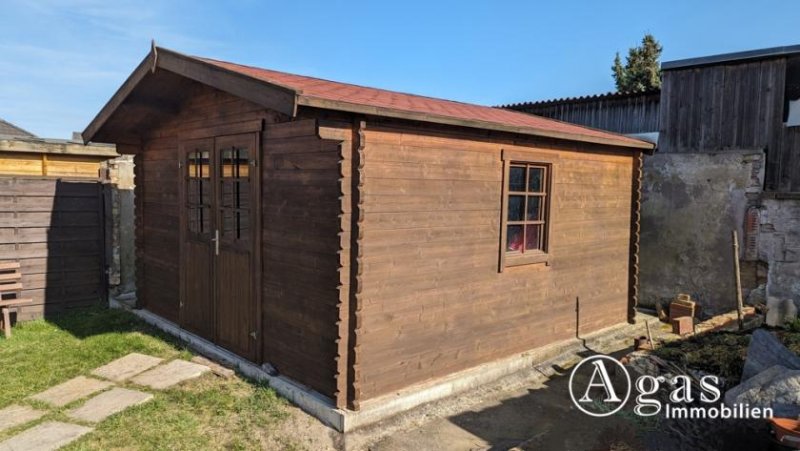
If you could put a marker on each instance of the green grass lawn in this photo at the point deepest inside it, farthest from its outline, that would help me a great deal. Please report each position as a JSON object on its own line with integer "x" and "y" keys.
{"x": 208, "y": 412}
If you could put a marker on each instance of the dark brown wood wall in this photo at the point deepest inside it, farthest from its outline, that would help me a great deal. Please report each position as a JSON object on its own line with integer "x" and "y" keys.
{"x": 157, "y": 183}
{"x": 732, "y": 107}
{"x": 630, "y": 113}
{"x": 303, "y": 246}
{"x": 54, "y": 228}
{"x": 431, "y": 300}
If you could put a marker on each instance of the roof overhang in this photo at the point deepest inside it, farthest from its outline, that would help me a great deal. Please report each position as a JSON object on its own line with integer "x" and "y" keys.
{"x": 736, "y": 57}
{"x": 268, "y": 95}
{"x": 286, "y": 100}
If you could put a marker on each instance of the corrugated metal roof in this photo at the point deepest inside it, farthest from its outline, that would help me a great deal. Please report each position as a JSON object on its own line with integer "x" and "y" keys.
{"x": 9, "y": 129}
{"x": 582, "y": 99}
{"x": 335, "y": 95}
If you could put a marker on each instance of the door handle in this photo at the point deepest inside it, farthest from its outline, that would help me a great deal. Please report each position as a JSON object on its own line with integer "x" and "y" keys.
{"x": 216, "y": 242}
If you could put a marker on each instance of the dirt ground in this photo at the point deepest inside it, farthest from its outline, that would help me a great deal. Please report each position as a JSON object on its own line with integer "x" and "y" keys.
{"x": 533, "y": 411}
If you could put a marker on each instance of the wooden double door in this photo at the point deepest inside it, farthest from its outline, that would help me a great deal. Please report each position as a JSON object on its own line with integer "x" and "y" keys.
{"x": 219, "y": 229}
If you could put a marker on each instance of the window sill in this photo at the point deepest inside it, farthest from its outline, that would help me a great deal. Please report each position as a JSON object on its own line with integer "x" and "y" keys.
{"x": 538, "y": 258}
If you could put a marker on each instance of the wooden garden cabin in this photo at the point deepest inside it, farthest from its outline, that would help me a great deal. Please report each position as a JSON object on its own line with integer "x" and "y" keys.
{"x": 363, "y": 241}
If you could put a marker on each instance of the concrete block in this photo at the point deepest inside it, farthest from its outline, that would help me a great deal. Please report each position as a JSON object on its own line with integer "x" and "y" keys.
{"x": 71, "y": 390}
{"x": 15, "y": 415}
{"x": 170, "y": 374}
{"x": 126, "y": 367}
{"x": 45, "y": 437}
{"x": 108, "y": 403}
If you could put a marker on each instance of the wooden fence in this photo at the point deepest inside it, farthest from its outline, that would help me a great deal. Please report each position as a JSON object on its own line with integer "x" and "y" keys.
{"x": 54, "y": 228}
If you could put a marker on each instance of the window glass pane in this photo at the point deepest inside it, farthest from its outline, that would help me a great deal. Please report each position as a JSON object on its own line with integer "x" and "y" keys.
{"x": 226, "y": 162}
{"x": 192, "y": 164}
{"x": 199, "y": 219}
{"x": 203, "y": 165}
{"x": 533, "y": 239}
{"x": 514, "y": 238}
{"x": 205, "y": 191}
{"x": 197, "y": 164}
{"x": 228, "y": 223}
{"x": 242, "y": 224}
{"x": 193, "y": 192}
{"x": 535, "y": 179}
{"x": 516, "y": 178}
{"x": 242, "y": 194}
{"x": 534, "y": 208}
{"x": 516, "y": 205}
{"x": 226, "y": 194}
{"x": 242, "y": 163}
{"x": 194, "y": 220}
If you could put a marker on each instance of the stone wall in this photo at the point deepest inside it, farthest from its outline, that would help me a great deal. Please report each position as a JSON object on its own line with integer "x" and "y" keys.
{"x": 691, "y": 203}
{"x": 779, "y": 246}
{"x": 121, "y": 253}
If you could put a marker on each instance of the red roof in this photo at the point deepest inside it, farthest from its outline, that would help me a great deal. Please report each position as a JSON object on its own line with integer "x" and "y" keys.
{"x": 325, "y": 90}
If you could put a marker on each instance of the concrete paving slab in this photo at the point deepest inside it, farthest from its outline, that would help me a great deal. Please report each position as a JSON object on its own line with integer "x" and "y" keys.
{"x": 45, "y": 437}
{"x": 170, "y": 374}
{"x": 126, "y": 367}
{"x": 15, "y": 415}
{"x": 71, "y": 390}
{"x": 108, "y": 403}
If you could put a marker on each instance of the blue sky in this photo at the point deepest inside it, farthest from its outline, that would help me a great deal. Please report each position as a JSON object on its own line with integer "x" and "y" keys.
{"x": 60, "y": 61}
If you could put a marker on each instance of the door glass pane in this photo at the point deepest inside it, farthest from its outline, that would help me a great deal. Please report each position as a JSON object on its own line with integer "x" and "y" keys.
{"x": 228, "y": 223}
{"x": 535, "y": 179}
{"x": 234, "y": 162}
{"x": 514, "y": 238}
{"x": 533, "y": 239}
{"x": 516, "y": 205}
{"x": 242, "y": 224}
{"x": 197, "y": 164}
{"x": 226, "y": 194}
{"x": 242, "y": 163}
{"x": 516, "y": 177}
{"x": 199, "y": 219}
{"x": 534, "y": 208}
{"x": 243, "y": 194}
{"x": 193, "y": 192}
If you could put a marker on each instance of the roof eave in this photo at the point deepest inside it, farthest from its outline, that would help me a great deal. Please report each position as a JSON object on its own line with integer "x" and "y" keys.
{"x": 328, "y": 104}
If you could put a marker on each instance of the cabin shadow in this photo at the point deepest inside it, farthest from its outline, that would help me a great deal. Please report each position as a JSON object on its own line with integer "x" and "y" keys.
{"x": 543, "y": 417}
{"x": 68, "y": 269}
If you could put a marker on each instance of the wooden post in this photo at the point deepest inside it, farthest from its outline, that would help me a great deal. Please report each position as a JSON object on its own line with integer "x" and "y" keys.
{"x": 738, "y": 279}
{"x": 650, "y": 336}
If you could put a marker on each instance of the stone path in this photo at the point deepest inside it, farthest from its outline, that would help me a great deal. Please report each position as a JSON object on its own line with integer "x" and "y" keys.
{"x": 44, "y": 437}
{"x": 172, "y": 373}
{"x": 127, "y": 367}
{"x": 15, "y": 415}
{"x": 108, "y": 403}
{"x": 71, "y": 390}
{"x": 137, "y": 368}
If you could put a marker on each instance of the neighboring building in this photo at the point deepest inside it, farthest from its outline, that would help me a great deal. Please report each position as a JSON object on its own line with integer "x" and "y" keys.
{"x": 728, "y": 158}
{"x": 628, "y": 113}
{"x": 364, "y": 242}
{"x": 51, "y": 219}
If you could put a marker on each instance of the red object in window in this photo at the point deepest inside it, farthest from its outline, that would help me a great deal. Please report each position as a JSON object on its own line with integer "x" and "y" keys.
{"x": 514, "y": 239}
